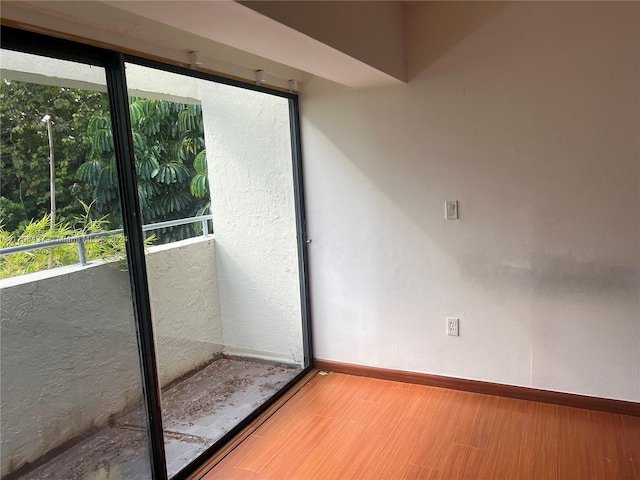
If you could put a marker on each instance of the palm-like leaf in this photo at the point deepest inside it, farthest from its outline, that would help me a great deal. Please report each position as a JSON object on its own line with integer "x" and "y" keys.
{"x": 90, "y": 171}
{"x": 200, "y": 163}
{"x": 172, "y": 172}
{"x": 199, "y": 186}
{"x": 175, "y": 201}
{"x": 147, "y": 167}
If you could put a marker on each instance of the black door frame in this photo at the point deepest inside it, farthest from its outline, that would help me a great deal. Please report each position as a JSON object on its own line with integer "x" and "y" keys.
{"x": 114, "y": 64}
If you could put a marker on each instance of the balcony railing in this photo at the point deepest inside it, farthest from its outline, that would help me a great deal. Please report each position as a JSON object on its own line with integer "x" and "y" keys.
{"x": 81, "y": 239}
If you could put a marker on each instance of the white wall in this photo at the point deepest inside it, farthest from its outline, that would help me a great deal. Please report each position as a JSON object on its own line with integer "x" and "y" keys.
{"x": 252, "y": 202}
{"x": 69, "y": 350}
{"x": 527, "y": 113}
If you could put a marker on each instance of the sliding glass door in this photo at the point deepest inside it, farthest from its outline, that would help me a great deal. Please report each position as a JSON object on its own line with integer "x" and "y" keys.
{"x": 178, "y": 307}
{"x": 70, "y": 366}
{"x": 215, "y": 162}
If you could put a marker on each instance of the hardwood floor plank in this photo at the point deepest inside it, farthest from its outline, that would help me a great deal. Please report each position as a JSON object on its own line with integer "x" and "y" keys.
{"x": 402, "y": 437}
{"x": 378, "y": 439}
{"x": 292, "y": 454}
{"x": 417, "y": 472}
{"x": 478, "y": 427}
{"x": 631, "y": 427}
{"x": 502, "y": 439}
{"x": 285, "y": 420}
{"x": 344, "y": 427}
{"x": 332, "y": 394}
{"x": 460, "y": 462}
{"x": 612, "y": 454}
{"x": 226, "y": 469}
{"x": 326, "y": 458}
{"x": 286, "y": 449}
{"x": 538, "y": 459}
{"x": 576, "y": 446}
{"x": 229, "y": 472}
{"x": 374, "y": 390}
{"x": 440, "y": 427}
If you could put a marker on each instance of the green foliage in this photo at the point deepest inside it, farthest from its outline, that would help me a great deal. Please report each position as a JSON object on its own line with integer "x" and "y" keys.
{"x": 200, "y": 181}
{"x": 110, "y": 248}
{"x": 65, "y": 254}
{"x": 168, "y": 140}
{"x": 169, "y": 148}
{"x": 24, "y": 149}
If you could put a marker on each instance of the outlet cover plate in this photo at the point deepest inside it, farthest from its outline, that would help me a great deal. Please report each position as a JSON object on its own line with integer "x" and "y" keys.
{"x": 453, "y": 325}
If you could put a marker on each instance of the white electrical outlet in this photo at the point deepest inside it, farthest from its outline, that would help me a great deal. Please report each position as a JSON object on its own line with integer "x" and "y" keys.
{"x": 452, "y": 326}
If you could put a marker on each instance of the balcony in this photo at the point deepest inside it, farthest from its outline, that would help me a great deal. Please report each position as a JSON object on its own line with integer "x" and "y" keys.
{"x": 70, "y": 382}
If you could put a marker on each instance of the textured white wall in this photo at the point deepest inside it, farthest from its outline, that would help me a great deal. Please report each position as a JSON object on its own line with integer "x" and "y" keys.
{"x": 48, "y": 71}
{"x": 184, "y": 305}
{"x": 141, "y": 81}
{"x": 69, "y": 349}
{"x": 527, "y": 113}
{"x": 250, "y": 175}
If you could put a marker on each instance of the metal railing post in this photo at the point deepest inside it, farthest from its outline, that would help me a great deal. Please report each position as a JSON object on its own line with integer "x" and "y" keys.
{"x": 205, "y": 228}
{"x": 82, "y": 254}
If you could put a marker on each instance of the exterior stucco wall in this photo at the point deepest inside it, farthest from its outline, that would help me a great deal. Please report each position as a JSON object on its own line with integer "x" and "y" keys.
{"x": 160, "y": 85}
{"x": 184, "y": 305}
{"x": 252, "y": 202}
{"x": 69, "y": 348}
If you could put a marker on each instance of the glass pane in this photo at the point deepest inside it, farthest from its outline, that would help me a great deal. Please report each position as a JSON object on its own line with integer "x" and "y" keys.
{"x": 72, "y": 400}
{"x": 225, "y": 293}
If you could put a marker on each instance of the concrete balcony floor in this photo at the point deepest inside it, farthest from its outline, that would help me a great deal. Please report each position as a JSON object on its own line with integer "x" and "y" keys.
{"x": 197, "y": 411}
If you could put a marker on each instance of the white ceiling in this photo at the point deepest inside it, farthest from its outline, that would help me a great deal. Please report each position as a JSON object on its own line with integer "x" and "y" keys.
{"x": 231, "y": 38}
{"x": 235, "y": 25}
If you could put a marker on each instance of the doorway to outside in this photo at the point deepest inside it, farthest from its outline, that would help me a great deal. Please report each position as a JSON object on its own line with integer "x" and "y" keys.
{"x": 160, "y": 303}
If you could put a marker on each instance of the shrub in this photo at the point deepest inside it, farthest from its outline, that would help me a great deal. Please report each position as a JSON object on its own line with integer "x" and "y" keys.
{"x": 108, "y": 248}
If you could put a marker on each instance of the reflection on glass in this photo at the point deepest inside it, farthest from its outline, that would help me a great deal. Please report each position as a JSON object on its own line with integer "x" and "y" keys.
{"x": 70, "y": 373}
{"x": 225, "y": 305}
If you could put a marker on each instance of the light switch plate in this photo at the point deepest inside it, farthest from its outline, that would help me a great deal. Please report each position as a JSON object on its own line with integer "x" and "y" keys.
{"x": 451, "y": 209}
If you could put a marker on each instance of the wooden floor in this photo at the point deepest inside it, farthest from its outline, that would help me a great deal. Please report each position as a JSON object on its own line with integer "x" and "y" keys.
{"x": 347, "y": 427}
